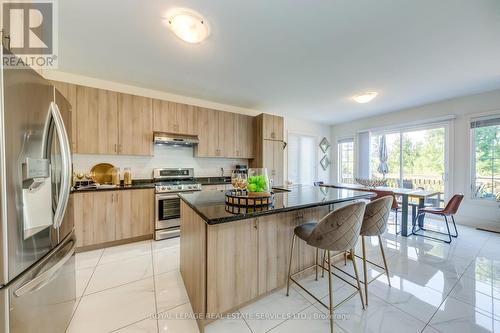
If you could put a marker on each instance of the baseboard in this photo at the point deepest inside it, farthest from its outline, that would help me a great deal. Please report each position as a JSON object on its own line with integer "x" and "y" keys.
{"x": 112, "y": 243}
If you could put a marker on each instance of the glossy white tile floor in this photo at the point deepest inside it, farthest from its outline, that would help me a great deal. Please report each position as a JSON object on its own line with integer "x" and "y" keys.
{"x": 436, "y": 287}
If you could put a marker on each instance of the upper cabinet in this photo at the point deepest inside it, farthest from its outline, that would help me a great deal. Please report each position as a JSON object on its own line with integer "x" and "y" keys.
{"x": 272, "y": 127}
{"x": 135, "y": 125}
{"x": 112, "y": 123}
{"x": 208, "y": 133}
{"x": 176, "y": 118}
{"x": 96, "y": 121}
{"x": 224, "y": 134}
{"x": 244, "y": 136}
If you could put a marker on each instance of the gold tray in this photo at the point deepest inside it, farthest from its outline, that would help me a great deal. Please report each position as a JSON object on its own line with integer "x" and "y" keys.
{"x": 102, "y": 173}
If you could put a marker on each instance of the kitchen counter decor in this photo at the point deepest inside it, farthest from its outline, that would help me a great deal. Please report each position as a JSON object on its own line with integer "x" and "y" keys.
{"x": 243, "y": 198}
{"x": 258, "y": 182}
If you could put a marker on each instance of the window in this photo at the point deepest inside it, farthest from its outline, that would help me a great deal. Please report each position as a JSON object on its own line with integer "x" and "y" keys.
{"x": 416, "y": 157}
{"x": 346, "y": 161}
{"x": 302, "y": 159}
{"x": 485, "y": 137}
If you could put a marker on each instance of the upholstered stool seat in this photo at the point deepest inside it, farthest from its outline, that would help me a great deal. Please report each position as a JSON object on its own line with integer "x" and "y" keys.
{"x": 305, "y": 230}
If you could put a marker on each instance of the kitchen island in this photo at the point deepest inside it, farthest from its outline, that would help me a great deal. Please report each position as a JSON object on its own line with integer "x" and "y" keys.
{"x": 230, "y": 259}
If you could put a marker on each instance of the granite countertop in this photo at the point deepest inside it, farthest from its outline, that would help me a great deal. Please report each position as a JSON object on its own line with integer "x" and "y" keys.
{"x": 149, "y": 183}
{"x": 210, "y": 205}
{"x": 136, "y": 185}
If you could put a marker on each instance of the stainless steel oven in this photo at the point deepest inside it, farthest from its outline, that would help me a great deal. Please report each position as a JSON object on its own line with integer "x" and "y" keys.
{"x": 171, "y": 182}
{"x": 168, "y": 215}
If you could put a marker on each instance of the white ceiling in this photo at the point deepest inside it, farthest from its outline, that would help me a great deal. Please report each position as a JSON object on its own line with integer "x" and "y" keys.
{"x": 298, "y": 58}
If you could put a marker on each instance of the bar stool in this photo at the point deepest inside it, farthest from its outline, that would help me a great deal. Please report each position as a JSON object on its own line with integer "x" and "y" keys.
{"x": 375, "y": 224}
{"x": 338, "y": 231}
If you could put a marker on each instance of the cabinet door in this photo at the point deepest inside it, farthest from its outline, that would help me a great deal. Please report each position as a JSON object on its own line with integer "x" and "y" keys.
{"x": 272, "y": 127}
{"x": 96, "y": 121}
{"x": 275, "y": 239}
{"x": 175, "y": 118}
{"x": 135, "y": 213}
{"x": 232, "y": 264}
{"x": 278, "y": 163}
{"x": 87, "y": 120}
{"x": 227, "y": 134}
{"x": 135, "y": 125}
{"x": 208, "y": 133}
{"x": 68, "y": 90}
{"x": 273, "y": 160}
{"x": 244, "y": 136}
{"x": 94, "y": 217}
{"x": 187, "y": 116}
{"x": 164, "y": 114}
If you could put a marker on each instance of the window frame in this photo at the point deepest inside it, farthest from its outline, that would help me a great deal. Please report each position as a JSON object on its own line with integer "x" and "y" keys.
{"x": 341, "y": 141}
{"x": 472, "y": 155}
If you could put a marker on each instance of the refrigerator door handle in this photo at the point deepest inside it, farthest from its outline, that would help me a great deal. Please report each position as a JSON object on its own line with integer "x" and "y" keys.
{"x": 44, "y": 278}
{"x": 66, "y": 165}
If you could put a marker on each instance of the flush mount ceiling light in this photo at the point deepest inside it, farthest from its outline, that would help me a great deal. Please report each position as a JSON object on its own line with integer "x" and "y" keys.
{"x": 188, "y": 25}
{"x": 365, "y": 98}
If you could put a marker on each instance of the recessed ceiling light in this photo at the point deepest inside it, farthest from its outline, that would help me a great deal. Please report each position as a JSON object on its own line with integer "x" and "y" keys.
{"x": 366, "y": 97}
{"x": 188, "y": 25}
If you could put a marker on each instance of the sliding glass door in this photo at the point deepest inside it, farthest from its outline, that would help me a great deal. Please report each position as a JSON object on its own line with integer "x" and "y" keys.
{"x": 415, "y": 158}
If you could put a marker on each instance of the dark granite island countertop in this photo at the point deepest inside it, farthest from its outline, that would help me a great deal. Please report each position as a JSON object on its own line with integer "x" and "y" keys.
{"x": 211, "y": 207}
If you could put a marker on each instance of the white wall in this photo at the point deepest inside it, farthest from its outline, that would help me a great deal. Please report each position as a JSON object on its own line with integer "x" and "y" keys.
{"x": 473, "y": 211}
{"x": 164, "y": 157}
{"x": 319, "y": 131}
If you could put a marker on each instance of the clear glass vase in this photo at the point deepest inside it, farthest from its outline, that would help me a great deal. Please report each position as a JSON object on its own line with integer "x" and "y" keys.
{"x": 258, "y": 181}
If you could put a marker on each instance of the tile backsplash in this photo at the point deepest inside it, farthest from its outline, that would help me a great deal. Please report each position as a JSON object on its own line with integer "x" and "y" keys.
{"x": 164, "y": 157}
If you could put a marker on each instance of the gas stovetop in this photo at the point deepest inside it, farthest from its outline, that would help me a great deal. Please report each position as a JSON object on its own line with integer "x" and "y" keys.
{"x": 166, "y": 186}
{"x": 175, "y": 180}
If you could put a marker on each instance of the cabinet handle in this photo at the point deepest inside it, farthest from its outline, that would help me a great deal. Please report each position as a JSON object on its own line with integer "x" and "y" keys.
{"x": 255, "y": 225}
{"x": 273, "y": 135}
{"x": 116, "y": 148}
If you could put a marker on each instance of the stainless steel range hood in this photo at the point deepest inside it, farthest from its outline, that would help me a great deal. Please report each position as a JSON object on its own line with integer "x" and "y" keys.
{"x": 175, "y": 139}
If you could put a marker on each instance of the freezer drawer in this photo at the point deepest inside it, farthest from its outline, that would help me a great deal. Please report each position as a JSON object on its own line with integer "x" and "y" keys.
{"x": 42, "y": 300}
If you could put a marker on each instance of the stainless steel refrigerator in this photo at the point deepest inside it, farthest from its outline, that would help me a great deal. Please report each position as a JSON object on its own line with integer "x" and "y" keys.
{"x": 37, "y": 244}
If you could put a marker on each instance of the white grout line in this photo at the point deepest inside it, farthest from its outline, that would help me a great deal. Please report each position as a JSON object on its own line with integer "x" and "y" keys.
{"x": 154, "y": 288}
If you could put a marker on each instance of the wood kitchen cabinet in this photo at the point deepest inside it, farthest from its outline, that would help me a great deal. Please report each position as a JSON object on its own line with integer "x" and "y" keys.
{"x": 171, "y": 117}
{"x": 272, "y": 127}
{"x": 134, "y": 213}
{"x": 94, "y": 217}
{"x": 273, "y": 160}
{"x": 96, "y": 121}
{"x": 275, "y": 239}
{"x": 208, "y": 133}
{"x": 269, "y": 153}
{"x": 135, "y": 123}
{"x": 232, "y": 264}
{"x": 244, "y": 136}
{"x": 108, "y": 216}
{"x": 224, "y": 134}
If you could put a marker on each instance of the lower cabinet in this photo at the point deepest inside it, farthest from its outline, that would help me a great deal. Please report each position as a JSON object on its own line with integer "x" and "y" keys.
{"x": 232, "y": 264}
{"x": 108, "y": 216}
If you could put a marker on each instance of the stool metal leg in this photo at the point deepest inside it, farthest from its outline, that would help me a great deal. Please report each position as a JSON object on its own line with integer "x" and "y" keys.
{"x": 323, "y": 264}
{"x": 345, "y": 258}
{"x": 290, "y": 266}
{"x": 353, "y": 258}
{"x": 316, "y": 262}
{"x": 385, "y": 260}
{"x": 365, "y": 273}
{"x": 330, "y": 292}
